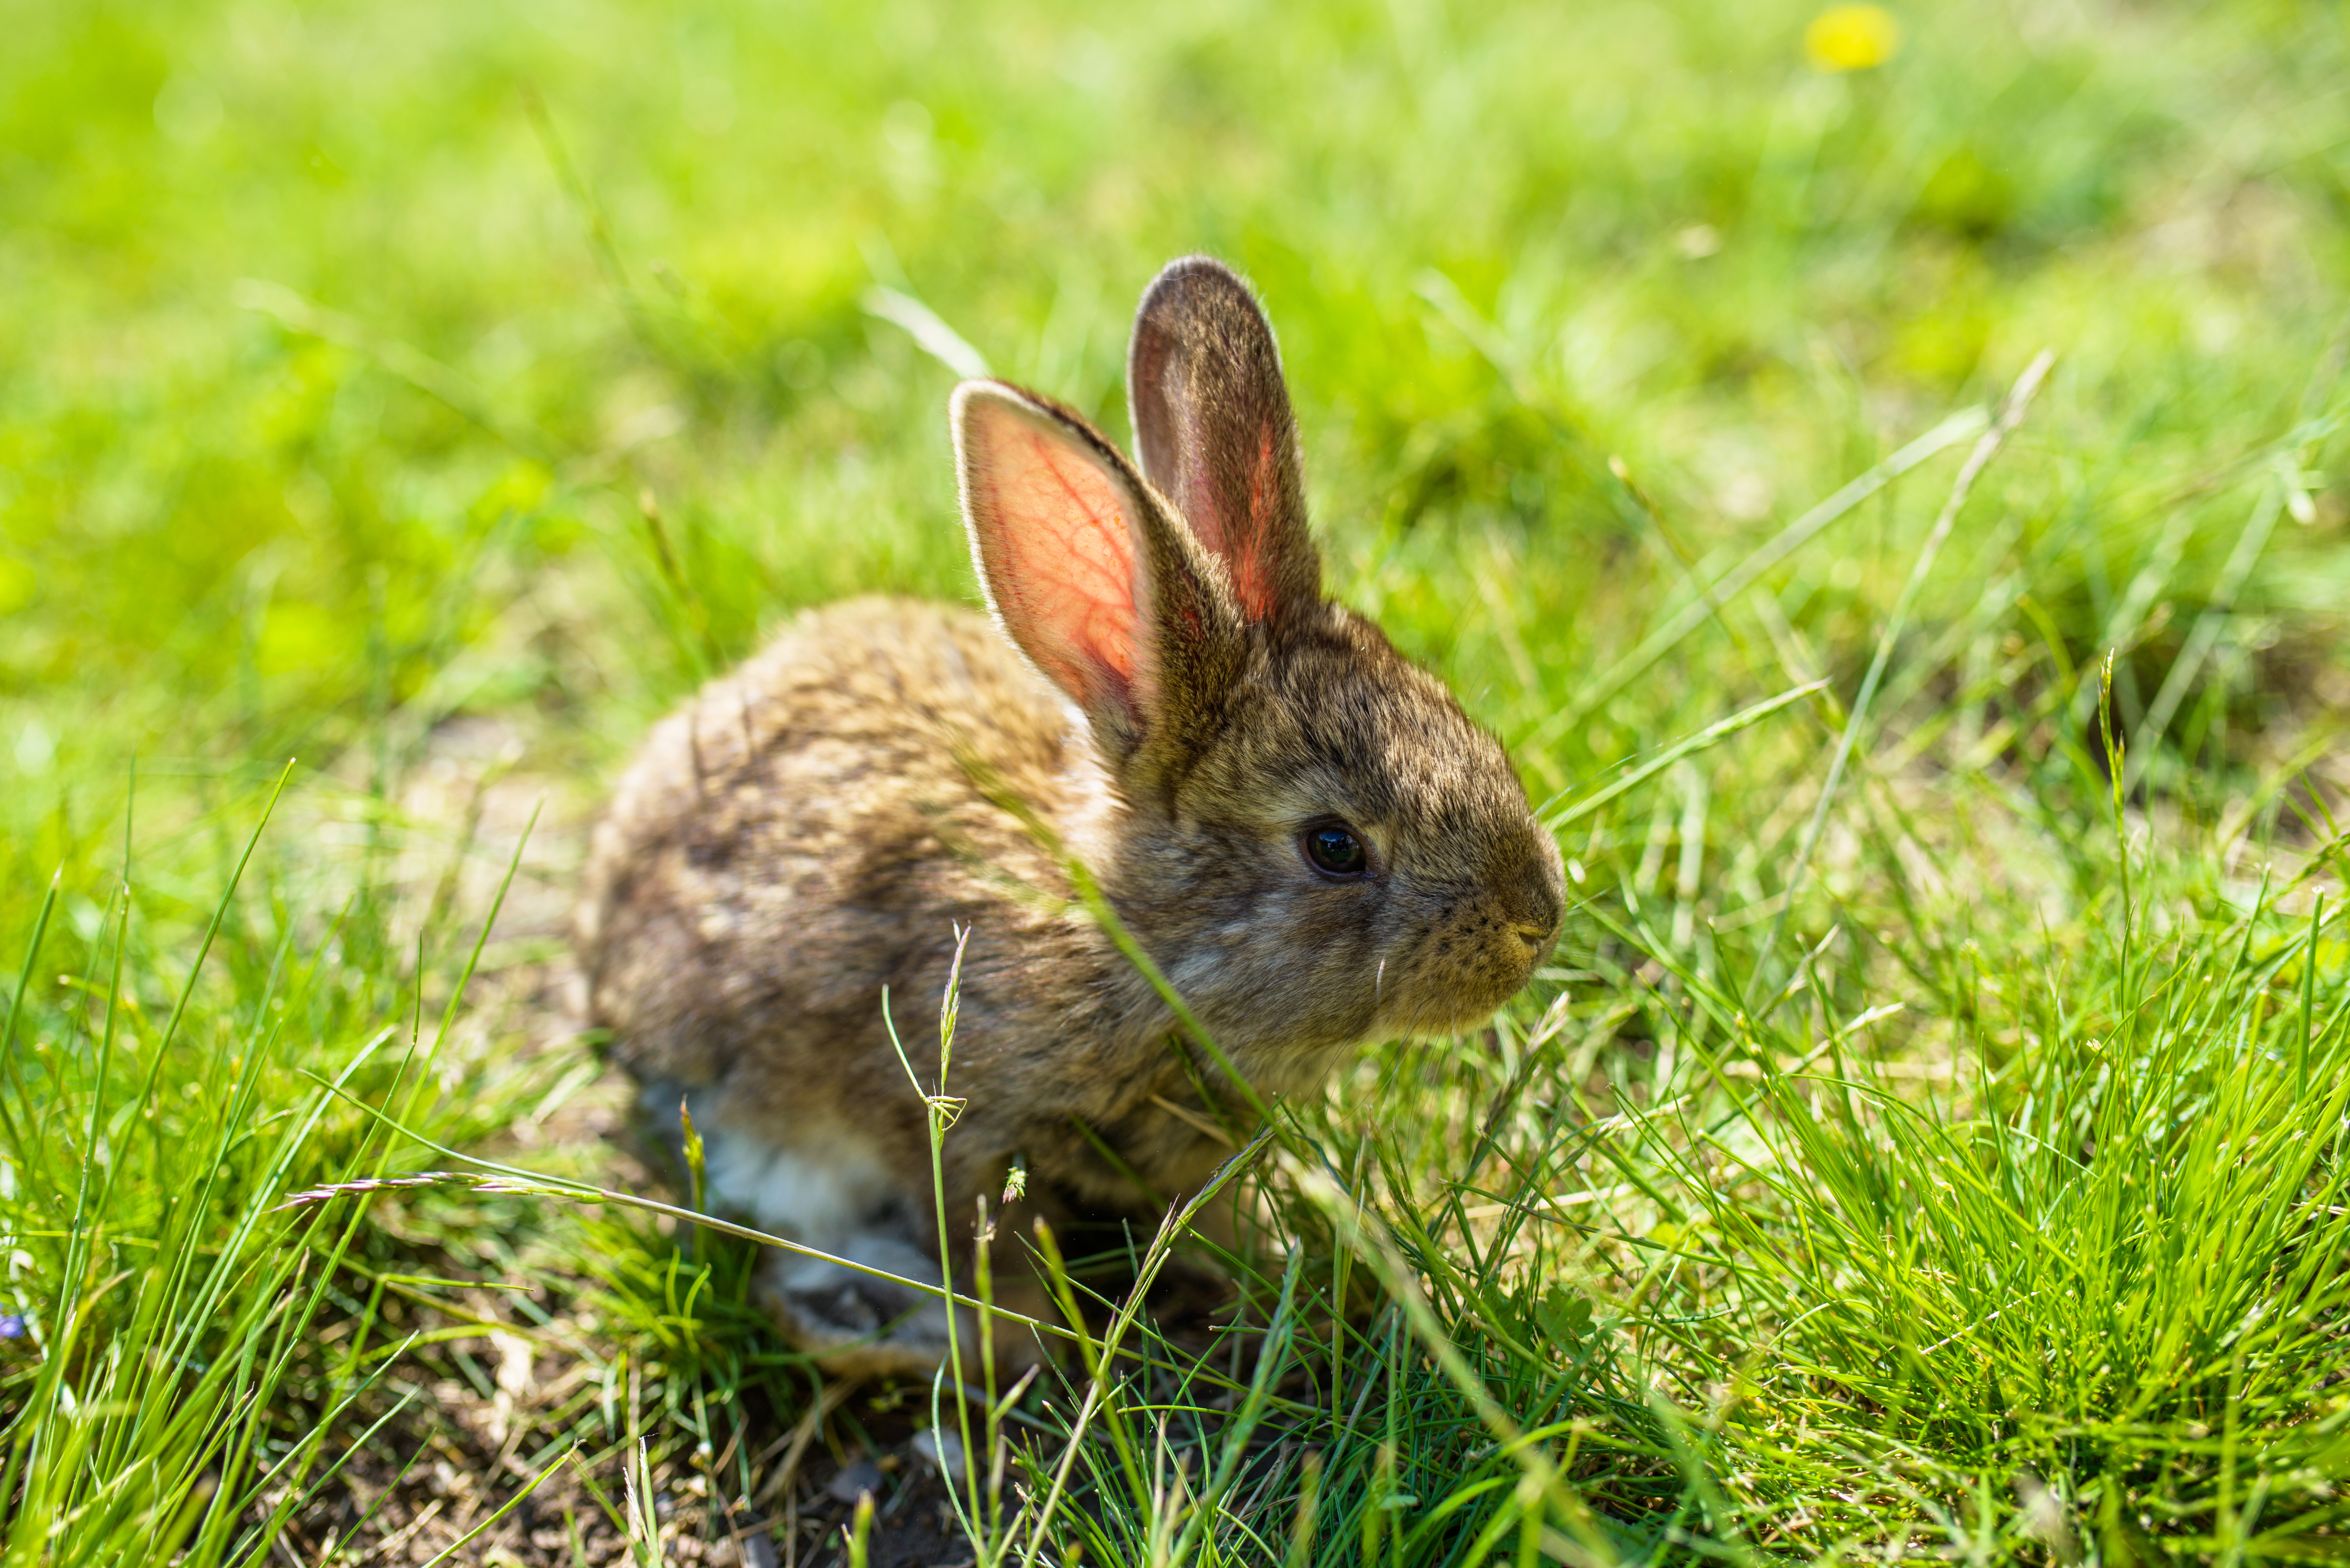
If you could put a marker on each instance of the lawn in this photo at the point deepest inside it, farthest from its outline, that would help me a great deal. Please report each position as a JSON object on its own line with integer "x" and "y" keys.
{"x": 1877, "y": 472}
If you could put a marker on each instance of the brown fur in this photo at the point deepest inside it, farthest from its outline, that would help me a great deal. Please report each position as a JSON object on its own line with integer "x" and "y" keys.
{"x": 809, "y": 830}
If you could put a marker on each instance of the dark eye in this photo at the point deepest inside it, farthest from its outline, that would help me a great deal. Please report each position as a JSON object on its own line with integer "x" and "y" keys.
{"x": 1334, "y": 851}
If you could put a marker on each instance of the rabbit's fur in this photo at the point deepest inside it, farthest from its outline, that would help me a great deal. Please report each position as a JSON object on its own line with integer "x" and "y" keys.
{"x": 1165, "y": 689}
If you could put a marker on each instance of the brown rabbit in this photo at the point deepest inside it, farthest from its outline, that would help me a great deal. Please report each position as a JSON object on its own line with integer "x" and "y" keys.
{"x": 1301, "y": 829}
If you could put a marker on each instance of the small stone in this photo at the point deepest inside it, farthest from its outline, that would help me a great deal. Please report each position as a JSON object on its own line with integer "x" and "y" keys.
{"x": 943, "y": 1450}
{"x": 855, "y": 1481}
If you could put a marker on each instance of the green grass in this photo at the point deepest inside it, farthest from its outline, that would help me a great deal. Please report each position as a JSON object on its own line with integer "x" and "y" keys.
{"x": 1941, "y": 1161}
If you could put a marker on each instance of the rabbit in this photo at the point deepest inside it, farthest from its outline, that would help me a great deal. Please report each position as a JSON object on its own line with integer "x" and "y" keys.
{"x": 1297, "y": 824}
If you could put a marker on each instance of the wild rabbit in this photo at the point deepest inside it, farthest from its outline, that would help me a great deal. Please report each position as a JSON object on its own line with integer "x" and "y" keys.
{"x": 1299, "y": 826}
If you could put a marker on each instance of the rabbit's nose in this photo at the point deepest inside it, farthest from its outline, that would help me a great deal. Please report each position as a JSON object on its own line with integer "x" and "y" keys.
{"x": 1536, "y": 901}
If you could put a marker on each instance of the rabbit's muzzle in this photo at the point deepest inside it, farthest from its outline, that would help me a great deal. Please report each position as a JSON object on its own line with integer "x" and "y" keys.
{"x": 1470, "y": 950}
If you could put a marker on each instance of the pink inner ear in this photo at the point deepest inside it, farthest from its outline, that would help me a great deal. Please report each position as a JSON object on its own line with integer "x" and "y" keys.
{"x": 1249, "y": 580}
{"x": 1060, "y": 557}
{"x": 1240, "y": 541}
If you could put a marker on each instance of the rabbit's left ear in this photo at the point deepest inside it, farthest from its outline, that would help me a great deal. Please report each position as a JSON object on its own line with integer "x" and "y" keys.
{"x": 1214, "y": 427}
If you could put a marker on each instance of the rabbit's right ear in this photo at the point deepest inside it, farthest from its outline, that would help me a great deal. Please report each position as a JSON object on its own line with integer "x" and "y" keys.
{"x": 1111, "y": 601}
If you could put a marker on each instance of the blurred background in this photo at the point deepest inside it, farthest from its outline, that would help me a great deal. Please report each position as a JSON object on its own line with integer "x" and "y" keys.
{"x": 343, "y": 342}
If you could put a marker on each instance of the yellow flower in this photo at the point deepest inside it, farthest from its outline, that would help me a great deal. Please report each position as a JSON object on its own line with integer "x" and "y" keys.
{"x": 1852, "y": 37}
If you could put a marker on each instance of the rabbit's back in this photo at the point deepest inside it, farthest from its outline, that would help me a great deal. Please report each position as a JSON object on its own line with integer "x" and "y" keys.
{"x": 805, "y": 831}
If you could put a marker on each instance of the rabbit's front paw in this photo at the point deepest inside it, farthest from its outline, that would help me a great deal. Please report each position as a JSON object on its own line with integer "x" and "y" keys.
{"x": 862, "y": 1324}
{"x": 857, "y": 1323}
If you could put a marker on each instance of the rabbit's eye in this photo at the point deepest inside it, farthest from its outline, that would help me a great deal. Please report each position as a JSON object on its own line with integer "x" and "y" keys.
{"x": 1334, "y": 851}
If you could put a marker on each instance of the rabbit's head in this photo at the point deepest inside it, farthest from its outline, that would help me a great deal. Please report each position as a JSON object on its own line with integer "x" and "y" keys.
{"x": 1311, "y": 838}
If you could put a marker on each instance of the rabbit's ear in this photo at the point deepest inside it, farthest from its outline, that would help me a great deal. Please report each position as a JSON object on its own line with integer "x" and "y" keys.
{"x": 1083, "y": 567}
{"x": 1214, "y": 428}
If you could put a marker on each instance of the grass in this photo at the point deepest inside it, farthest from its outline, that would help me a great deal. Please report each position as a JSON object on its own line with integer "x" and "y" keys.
{"x": 1929, "y": 1139}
